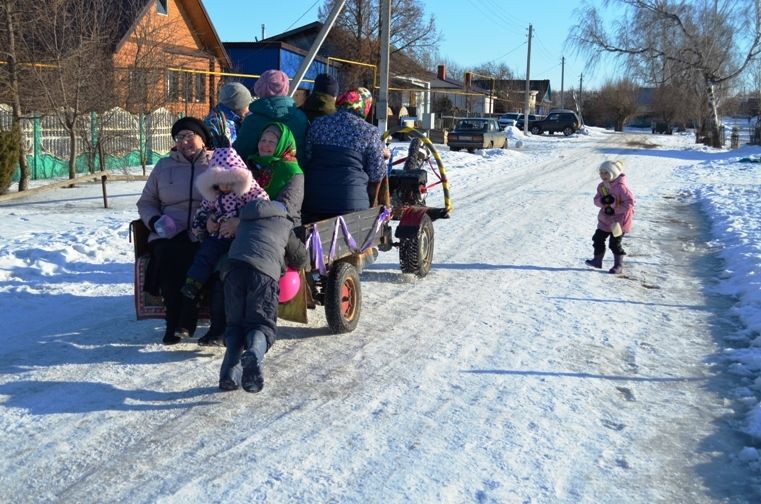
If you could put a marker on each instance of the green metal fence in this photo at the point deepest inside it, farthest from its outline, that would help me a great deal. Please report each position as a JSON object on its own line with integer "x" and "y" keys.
{"x": 114, "y": 140}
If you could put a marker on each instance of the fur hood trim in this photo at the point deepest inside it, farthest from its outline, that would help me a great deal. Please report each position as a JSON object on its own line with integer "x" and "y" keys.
{"x": 209, "y": 181}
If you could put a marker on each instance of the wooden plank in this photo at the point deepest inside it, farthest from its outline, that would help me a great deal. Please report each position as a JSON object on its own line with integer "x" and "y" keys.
{"x": 88, "y": 178}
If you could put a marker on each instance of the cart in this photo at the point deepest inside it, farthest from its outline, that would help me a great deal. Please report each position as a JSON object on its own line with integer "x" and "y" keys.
{"x": 339, "y": 246}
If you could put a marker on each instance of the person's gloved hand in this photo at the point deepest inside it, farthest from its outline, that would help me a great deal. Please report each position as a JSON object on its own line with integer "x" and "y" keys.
{"x": 608, "y": 199}
{"x": 609, "y": 210}
{"x": 165, "y": 226}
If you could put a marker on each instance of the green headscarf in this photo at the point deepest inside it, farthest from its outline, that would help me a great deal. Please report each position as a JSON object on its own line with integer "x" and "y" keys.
{"x": 282, "y": 163}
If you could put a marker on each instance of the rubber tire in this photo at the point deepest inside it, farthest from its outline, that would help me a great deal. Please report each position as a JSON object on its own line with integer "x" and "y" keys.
{"x": 471, "y": 151}
{"x": 454, "y": 149}
{"x": 568, "y": 131}
{"x": 536, "y": 130}
{"x": 416, "y": 253}
{"x": 343, "y": 298}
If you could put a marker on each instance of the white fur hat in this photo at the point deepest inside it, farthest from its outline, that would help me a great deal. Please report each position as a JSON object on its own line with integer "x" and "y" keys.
{"x": 614, "y": 168}
{"x": 225, "y": 167}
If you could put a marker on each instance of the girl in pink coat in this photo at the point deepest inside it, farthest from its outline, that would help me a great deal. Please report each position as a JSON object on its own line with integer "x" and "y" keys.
{"x": 616, "y": 203}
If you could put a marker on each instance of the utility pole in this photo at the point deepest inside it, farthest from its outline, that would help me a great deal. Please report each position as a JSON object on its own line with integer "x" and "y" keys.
{"x": 321, "y": 36}
{"x": 381, "y": 106}
{"x": 528, "y": 78}
{"x": 578, "y": 105}
{"x": 562, "y": 79}
{"x": 262, "y": 31}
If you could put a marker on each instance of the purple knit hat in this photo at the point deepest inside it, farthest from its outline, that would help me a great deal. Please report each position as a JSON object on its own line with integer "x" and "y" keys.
{"x": 272, "y": 83}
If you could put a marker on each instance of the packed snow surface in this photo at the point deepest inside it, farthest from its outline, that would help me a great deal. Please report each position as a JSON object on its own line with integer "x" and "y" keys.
{"x": 512, "y": 373}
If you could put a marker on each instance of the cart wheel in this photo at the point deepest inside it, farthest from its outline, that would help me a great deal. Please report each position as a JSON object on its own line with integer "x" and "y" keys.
{"x": 343, "y": 298}
{"x": 416, "y": 252}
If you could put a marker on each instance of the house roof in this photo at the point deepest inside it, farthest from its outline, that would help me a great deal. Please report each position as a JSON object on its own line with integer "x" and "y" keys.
{"x": 301, "y": 31}
{"x": 542, "y": 87}
{"x": 452, "y": 84}
{"x": 130, "y": 11}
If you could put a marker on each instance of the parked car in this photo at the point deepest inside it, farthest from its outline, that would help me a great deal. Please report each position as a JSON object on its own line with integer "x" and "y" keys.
{"x": 509, "y": 119}
{"x": 565, "y": 121}
{"x": 531, "y": 118}
{"x": 476, "y": 133}
{"x": 661, "y": 127}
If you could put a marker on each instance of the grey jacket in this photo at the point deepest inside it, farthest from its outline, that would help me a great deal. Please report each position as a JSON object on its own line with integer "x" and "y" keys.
{"x": 170, "y": 190}
{"x": 264, "y": 237}
{"x": 292, "y": 196}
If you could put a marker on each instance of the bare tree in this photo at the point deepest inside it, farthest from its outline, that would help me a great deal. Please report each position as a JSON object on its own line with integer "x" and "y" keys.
{"x": 357, "y": 33}
{"x": 711, "y": 40}
{"x": 140, "y": 71}
{"x": 142, "y": 62}
{"x": 71, "y": 46}
{"x": 618, "y": 100}
{"x": 11, "y": 75}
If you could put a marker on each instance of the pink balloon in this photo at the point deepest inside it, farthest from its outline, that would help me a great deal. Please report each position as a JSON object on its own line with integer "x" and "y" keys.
{"x": 289, "y": 285}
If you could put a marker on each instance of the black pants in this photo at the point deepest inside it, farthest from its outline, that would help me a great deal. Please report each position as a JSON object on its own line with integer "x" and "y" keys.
{"x": 170, "y": 260}
{"x": 250, "y": 304}
{"x": 217, "y": 323}
{"x": 598, "y": 242}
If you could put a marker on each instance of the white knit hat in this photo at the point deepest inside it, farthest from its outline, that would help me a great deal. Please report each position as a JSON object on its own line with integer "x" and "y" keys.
{"x": 614, "y": 168}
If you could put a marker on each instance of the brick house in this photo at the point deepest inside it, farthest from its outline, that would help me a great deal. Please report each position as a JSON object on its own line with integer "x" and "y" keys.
{"x": 165, "y": 55}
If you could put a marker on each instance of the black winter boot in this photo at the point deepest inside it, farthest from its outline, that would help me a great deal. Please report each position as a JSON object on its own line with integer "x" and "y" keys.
{"x": 618, "y": 265}
{"x": 170, "y": 338}
{"x": 596, "y": 262}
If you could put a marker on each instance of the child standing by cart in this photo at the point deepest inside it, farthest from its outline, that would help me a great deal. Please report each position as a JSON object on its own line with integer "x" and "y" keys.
{"x": 614, "y": 220}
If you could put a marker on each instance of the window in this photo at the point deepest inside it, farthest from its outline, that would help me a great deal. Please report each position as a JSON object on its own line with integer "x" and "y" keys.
{"x": 162, "y": 7}
{"x": 199, "y": 88}
{"x": 173, "y": 86}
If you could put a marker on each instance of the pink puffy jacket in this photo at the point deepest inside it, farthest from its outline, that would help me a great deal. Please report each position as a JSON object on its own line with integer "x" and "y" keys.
{"x": 623, "y": 205}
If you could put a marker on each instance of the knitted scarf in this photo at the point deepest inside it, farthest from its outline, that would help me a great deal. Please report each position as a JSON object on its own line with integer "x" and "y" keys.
{"x": 276, "y": 170}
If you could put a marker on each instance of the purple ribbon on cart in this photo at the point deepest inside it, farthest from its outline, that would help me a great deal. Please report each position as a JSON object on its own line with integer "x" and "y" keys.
{"x": 314, "y": 244}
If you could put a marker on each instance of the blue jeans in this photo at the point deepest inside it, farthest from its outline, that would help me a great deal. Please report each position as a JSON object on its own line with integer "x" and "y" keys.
{"x": 251, "y": 300}
{"x": 211, "y": 251}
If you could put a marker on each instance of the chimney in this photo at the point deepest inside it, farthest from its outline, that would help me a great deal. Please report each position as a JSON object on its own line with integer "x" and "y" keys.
{"x": 441, "y": 73}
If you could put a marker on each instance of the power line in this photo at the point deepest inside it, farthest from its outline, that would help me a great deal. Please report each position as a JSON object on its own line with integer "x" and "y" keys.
{"x": 305, "y": 13}
{"x": 497, "y": 10}
{"x": 507, "y": 53}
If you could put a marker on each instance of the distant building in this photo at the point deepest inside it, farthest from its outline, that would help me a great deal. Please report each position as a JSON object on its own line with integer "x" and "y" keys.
{"x": 514, "y": 93}
{"x": 285, "y": 51}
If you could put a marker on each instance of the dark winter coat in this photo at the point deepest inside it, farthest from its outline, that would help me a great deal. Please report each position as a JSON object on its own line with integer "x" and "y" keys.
{"x": 171, "y": 190}
{"x": 344, "y": 153}
{"x": 264, "y": 111}
{"x": 264, "y": 237}
{"x": 319, "y": 104}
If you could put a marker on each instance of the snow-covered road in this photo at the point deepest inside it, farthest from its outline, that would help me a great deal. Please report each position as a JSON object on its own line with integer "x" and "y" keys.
{"x": 511, "y": 373}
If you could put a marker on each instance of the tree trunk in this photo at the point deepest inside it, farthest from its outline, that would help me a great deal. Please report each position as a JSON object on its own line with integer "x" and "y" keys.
{"x": 23, "y": 183}
{"x": 713, "y": 117}
{"x": 72, "y": 150}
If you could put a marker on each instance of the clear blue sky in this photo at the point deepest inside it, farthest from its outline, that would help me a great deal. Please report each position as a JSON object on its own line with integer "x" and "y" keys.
{"x": 475, "y": 32}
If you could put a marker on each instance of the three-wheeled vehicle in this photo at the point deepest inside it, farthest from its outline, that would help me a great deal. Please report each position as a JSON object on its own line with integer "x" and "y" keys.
{"x": 340, "y": 245}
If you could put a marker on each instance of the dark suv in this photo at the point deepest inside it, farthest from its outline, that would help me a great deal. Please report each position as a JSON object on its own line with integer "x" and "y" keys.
{"x": 558, "y": 120}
